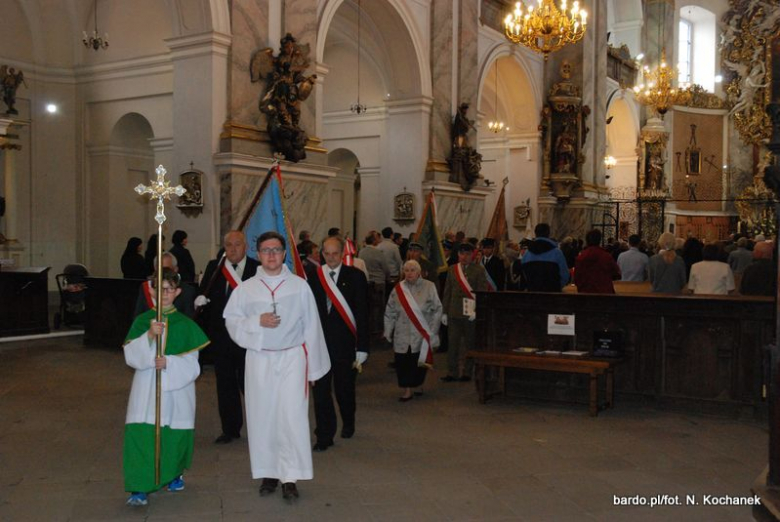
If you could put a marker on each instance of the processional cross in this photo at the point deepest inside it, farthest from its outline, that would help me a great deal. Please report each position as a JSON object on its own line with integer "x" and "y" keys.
{"x": 159, "y": 190}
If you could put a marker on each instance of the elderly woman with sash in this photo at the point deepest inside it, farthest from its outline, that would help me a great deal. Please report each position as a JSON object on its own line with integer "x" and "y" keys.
{"x": 412, "y": 319}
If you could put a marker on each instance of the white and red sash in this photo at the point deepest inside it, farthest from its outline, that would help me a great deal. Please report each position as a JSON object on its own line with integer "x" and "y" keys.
{"x": 149, "y": 293}
{"x": 230, "y": 274}
{"x": 417, "y": 319}
{"x": 463, "y": 282}
{"x": 349, "y": 253}
{"x": 337, "y": 299}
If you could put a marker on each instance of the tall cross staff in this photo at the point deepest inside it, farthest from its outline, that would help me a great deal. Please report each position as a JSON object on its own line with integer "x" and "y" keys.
{"x": 159, "y": 190}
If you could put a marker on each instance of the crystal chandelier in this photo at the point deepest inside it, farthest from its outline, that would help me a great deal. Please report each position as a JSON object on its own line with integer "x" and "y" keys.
{"x": 94, "y": 40}
{"x": 545, "y": 28}
{"x": 496, "y": 125}
{"x": 610, "y": 161}
{"x": 358, "y": 108}
{"x": 659, "y": 93}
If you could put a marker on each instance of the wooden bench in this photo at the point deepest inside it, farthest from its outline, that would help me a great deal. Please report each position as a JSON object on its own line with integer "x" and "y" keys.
{"x": 587, "y": 365}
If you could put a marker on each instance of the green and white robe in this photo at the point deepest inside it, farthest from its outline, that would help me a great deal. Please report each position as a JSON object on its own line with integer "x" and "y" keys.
{"x": 182, "y": 340}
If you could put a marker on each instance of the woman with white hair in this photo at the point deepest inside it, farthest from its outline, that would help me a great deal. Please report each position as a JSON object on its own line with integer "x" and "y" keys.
{"x": 666, "y": 269}
{"x": 412, "y": 319}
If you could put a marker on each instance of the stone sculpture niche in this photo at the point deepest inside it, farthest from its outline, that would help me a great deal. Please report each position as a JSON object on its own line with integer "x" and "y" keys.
{"x": 563, "y": 132}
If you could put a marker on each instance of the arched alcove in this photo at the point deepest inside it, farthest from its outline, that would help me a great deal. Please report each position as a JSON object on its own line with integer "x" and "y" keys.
{"x": 506, "y": 93}
{"x": 389, "y": 36}
{"x": 622, "y": 135}
{"x": 116, "y": 212}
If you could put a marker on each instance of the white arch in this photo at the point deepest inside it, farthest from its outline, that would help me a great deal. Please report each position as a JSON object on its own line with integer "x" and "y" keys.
{"x": 628, "y": 97}
{"x": 501, "y": 50}
{"x": 327, "y": 10}
{"x": 204, "y": 15}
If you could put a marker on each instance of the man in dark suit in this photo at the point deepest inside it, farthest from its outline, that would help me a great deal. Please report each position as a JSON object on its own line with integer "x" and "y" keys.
{"x": 342, "y": 302}
{"x": 219, "y": 280}
{"x": 493, "y": 264}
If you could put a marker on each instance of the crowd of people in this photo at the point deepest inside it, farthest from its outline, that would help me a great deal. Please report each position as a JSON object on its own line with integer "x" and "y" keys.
{"x": 276, "y": 337}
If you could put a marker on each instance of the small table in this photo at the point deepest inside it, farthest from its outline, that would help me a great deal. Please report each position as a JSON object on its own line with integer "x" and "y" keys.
{"x": 586, "y": 365}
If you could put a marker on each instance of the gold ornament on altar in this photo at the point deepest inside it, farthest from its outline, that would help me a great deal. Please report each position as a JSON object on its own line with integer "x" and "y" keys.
{"x": 545, "y": 28}
{"x": 756, "y": 204}
{"x": 659, "y": 93}
{"x": 749, "y": 30}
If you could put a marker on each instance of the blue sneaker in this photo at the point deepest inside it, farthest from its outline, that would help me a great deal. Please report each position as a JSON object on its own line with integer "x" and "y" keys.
{"x": 138, "y": 499}
{"x": 176, "y": 484}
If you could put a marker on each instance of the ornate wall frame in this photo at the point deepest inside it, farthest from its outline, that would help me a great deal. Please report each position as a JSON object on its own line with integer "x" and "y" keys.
{"x": 403, "y": 207}
{"x": 191, "y": 202}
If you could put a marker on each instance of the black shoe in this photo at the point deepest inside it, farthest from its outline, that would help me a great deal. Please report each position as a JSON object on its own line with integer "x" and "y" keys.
{"x": 405, "y": 399}
{"x": 226, "y": 439}
{"x": 465, "y": 378}
{"x": 418, "y": 393}
{"x": 448, "y": 378}
{"x": 346, "y": 433}
{"x": 268, "y": 487}
{"x": 322, "y": 446}
{"x": 289, "y": 491}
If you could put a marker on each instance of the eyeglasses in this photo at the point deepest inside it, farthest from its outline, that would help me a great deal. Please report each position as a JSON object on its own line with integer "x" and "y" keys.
{"x": 271, "y": 250}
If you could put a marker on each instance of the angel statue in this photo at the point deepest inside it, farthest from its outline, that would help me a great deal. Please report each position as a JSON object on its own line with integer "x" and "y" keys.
{"x": 11, "y": 80}
{"x": 286, "y": 87}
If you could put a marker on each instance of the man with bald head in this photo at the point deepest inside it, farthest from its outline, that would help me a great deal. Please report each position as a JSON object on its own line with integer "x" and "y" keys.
{"x": 760, "y": 277}
{"x": 222, "y": 276}
{"x": 341, "y": 294}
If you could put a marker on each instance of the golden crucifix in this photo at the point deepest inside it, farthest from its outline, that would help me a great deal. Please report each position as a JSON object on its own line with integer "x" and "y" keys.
{"x": 159, "y": 190}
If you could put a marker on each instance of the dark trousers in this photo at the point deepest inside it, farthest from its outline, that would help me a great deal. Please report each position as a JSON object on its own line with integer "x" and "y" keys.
{"x": 409, "y": 374}
{"x": 229, "y": 362}
{"x": 341, "y": 378}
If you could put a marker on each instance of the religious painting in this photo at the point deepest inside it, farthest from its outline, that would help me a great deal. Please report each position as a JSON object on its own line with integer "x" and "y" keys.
{"x": 192, "y": 181}
{"x": 403, "y": 207}
{"x": 693, "y": 154}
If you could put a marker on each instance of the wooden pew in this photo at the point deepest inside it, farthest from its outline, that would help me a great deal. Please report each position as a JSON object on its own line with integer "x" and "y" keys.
{"x": 687, "y": 352}
{"x": 590, "y": 366}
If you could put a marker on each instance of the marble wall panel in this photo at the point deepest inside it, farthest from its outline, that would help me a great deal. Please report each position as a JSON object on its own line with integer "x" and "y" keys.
{"x": 249, "y": 21}
{"x": 305, "y": 202}
{"x": 569, "y": 220}
{"x": 464, "y": 214}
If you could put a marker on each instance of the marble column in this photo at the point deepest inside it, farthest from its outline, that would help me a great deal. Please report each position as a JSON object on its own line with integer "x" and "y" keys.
{"x": 658, "y": 34}
{"x": 468, "y": 59}
{"x": 9, "y": 146}
{"x": 300, "y": 20}
{"x": 443, "y": 68}
{"x": 370, "y": 202}
{"x": 594, "y": 85}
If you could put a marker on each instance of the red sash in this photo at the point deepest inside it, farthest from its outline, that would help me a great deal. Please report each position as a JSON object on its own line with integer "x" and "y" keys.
{"x": 230, "y": 275}
{"x": 149, "y": 293}
{"x": 463, "y": 282}
{"x": 417, "y": 319}
{"x": 337, "y": 299}
{"x": 349, "y": 253}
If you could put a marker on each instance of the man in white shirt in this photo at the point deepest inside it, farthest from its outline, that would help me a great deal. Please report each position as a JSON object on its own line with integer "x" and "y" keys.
{"x": 633, "y": 263}
{"x": 391, "y": 252}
